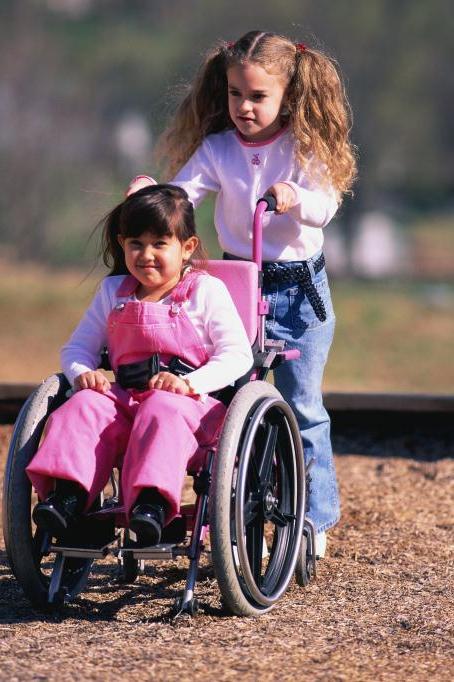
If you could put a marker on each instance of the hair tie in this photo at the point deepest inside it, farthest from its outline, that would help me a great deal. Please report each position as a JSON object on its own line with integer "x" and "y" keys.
{"x": 230, "y": 45}
{"x": 300, "y": 47}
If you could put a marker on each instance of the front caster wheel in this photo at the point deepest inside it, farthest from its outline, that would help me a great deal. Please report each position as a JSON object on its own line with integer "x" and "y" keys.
{"x": 128, "y": 567}
{"x": 190, "y": 607}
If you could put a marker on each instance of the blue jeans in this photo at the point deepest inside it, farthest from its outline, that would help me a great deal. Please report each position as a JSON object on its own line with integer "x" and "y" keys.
{"x": 293, "y": 319}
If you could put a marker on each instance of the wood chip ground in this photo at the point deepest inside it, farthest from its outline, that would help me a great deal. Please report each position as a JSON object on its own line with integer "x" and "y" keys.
{"x": 381, "y": 608}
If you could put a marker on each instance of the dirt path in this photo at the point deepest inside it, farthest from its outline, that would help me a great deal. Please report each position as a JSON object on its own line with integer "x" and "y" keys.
{"x": 381, "y": 609}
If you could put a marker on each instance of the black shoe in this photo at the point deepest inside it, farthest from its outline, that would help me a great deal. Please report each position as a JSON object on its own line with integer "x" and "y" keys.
{"x": 56, "y": 514}
{"x": 146, "y": 522}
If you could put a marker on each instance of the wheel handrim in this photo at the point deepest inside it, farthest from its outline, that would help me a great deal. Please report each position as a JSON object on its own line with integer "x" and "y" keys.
{"x": 274, "y": 494}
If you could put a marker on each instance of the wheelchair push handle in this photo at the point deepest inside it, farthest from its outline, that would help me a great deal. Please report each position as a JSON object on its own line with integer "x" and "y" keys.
{"x": 264, "y": 204}
{"x": 271, "y": 202}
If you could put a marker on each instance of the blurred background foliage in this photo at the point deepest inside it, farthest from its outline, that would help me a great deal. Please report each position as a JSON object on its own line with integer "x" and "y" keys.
{"x": 86, "y": 87}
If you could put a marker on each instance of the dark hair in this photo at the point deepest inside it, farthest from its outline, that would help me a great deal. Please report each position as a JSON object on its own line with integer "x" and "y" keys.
{"x": 163, "y": 210}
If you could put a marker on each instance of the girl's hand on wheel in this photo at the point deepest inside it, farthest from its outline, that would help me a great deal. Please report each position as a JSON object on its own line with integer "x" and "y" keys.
{"x": 284, "y": 194}
{"x": 94, "y": 380}
{"x": 166, "y": 381}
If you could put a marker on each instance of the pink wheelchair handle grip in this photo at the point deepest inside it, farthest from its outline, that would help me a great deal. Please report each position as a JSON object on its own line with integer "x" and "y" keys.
{"x": 266, "y": 203}
{"x": 291, "y": 354}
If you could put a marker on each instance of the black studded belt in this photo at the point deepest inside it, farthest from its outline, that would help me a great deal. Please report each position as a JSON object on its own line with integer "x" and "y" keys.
{"x": 298, "y": 272}
{"x": 294, "y": 271}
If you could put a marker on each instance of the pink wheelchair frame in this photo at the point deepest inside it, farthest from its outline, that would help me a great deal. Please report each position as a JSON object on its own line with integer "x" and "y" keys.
{"x": 250, "y": 495}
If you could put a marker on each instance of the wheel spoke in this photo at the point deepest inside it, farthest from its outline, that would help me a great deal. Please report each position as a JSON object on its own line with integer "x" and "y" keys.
{"x": 40, "y": 544}
{"x": 280, "y": 519}
{"x": 255, "y": 474}
{"x": 268, "y": 453}
{"x": 254, "y": 544}
{"x": 250, "y": 510}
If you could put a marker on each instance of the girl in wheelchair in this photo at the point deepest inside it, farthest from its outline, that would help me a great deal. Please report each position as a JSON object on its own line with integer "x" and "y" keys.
{"x": 155, "y": 313}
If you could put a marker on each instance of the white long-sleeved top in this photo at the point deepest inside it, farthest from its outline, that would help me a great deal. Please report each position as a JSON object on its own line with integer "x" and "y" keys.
{"x": 240, "y": 172}
{"x": 211, "y": 311}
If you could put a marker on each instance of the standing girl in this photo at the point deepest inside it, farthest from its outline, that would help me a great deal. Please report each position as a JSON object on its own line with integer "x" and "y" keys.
{"x": 154, "y": 307}
{"x": 266, "y": 115}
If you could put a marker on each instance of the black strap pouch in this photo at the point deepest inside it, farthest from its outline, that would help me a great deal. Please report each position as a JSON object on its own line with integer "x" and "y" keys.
{"x": 138, "y": 374}
{"x": 178, "y": 367}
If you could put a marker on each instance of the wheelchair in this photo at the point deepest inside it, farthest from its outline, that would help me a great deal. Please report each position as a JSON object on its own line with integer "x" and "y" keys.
{"x": 250, "y": 494}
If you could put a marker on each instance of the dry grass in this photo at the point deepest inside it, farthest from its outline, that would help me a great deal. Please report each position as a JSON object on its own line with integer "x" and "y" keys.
{"x": 380, "y": 609}
{"x": 389, "y": 337}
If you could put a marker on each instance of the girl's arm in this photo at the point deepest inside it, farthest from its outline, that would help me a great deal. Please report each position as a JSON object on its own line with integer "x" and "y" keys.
{"x": 313, "y": 207}
{"x": 198, "y": 176}
{"x": 232, "y": 354}
{"x": 308, "y": 197}
{"x": 81, "y": 354}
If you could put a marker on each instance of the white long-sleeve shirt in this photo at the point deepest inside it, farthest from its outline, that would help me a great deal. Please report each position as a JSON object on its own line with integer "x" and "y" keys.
{"x": 211, "y": 311}
{"x": 240, "y": 172}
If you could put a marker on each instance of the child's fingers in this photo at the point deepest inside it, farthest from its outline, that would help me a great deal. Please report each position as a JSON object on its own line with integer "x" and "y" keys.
{"x": 284, "y": 194}
{"x": 166, "y": 381}
{"x": 102, "y": 385}
{"x": 281, "y": 204}
{"x": 82, "y": 382}
{"x": 156, "y": 381}
{"x": 160, "y": 380}
{"x": 79, "y": 383}
{"x": 284, "y": 198}
{"x": 170, "y": 383}
{"x": 92, "y": 380}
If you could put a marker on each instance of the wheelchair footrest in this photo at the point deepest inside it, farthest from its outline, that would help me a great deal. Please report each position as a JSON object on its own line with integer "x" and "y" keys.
{"x": 155, "y": 552}
{"x": 82, "y": 552}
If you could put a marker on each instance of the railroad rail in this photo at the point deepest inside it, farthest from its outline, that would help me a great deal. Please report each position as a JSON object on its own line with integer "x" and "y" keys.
{"x": 340, "y": 405}
{"x": 415, "y": 426}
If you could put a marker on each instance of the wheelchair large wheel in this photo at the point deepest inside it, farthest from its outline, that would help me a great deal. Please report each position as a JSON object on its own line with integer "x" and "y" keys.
{"x": 257, "y": 500}
{"x": 25, "y": 544}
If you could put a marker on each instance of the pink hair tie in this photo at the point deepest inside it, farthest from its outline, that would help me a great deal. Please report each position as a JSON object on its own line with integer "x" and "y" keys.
{"x": 300, "y": 47}
{"x": 230, "y": 45}
{"x": 144, "y": 177}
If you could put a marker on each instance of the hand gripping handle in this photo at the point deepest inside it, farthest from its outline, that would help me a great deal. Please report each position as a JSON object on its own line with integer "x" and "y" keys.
{"x": 270, "y": 202}
{"x": 265, "y": 203}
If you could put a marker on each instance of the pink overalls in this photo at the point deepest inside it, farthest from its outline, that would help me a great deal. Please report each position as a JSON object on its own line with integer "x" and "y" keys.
{"x": 154, "y": 436}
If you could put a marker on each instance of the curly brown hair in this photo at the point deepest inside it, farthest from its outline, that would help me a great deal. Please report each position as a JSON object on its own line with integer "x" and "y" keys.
{"x": 316, "y": 106}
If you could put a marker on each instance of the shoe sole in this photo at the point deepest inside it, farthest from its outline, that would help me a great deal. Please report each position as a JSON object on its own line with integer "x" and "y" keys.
{"x": 50, "y": 521}
{"x": 147, "y": 534}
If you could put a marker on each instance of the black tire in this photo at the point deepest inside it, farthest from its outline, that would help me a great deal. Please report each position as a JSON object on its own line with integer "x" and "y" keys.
{"x": 304, "y": 568}
{"x": 25, "y": 545}
{"x": 129, "y": 567}
{"x": 191, "y": 607}
{"x": 257, "y": 491}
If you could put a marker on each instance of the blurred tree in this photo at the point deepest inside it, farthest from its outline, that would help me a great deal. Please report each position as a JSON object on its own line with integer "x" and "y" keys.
{"x": 77, "y": 74}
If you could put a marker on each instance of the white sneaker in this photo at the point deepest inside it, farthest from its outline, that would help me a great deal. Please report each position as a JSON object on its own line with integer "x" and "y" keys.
{"x": 236, "y": 558}
{"x": 265, "y": 552}
{"x": 320, "y": 545}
